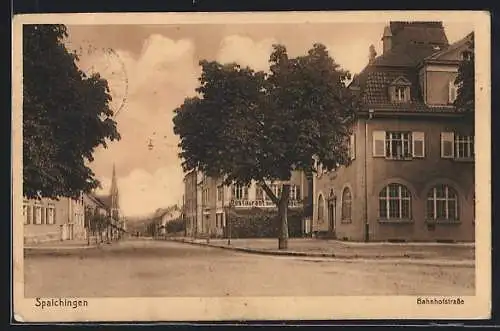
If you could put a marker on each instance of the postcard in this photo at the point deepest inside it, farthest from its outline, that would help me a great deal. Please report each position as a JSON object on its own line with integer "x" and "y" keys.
{"x": 189, "y": 167}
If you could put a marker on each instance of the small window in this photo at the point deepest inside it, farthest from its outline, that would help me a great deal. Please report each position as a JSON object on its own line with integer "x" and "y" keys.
{"x": 259, "y": 192}
{"x": 466, "y": 56}
{"x": 25, "y": 214}
{"x": 220, "y": 192}
{"x": 321, "y": 209}
{"x": 346, "y": 204}
{"x": 240, "y": 192}
{"x": 400, "y": 93}
{"x": 293, "y": 192}
{"x": 43, "y": 215}
{"x": 398, "y": 145}
{"x": 464, "y": 146}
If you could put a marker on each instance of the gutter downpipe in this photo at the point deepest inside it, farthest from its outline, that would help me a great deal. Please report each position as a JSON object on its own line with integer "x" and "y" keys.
{"x": 367, "y": 224}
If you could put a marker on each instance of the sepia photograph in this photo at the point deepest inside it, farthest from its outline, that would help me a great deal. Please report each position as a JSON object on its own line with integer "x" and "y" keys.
{"x": 251, "y": 166}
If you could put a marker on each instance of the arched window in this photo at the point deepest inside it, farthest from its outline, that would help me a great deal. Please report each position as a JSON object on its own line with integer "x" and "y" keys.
{"x": 395, "y": 202}
{"x": 442, "y": 203}
{"x": 346, "y": 204}
{"x": 321, "y": 209}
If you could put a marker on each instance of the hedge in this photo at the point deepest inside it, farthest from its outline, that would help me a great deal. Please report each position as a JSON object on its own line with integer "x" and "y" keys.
{"x": 175, "y": 226}
{"x": 259, "y": 223}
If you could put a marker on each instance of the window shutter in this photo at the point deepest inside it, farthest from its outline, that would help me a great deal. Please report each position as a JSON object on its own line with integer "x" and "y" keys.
{"x": 352, "y": 147}
{"x": 407, "y": 94}
{"x": 378, "y": 143}
{"x": 447, "y": 148}
{"x": 418, "y": 139}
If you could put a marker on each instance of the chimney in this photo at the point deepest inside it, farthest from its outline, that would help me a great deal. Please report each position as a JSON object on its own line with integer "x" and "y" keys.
{"x": 387, "y": 39}
{"x": 372, "y": 53}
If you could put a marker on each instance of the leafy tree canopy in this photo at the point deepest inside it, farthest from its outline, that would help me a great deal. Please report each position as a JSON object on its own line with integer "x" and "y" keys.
{"x": 249, "y": 125}
{"x": 465, "y": 80}
{"x": 66, "y": 115}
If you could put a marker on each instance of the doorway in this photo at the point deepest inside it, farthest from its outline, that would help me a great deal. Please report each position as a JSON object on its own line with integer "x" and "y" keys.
{"x": 332, "y": 206}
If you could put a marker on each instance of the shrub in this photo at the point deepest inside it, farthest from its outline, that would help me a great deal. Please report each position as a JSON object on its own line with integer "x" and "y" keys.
{"x": 259, "y": 223}
{"x": 175, "y": 226}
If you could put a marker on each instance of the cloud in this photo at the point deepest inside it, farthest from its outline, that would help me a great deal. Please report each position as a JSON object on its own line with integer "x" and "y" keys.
{"x": 150, "y": 85}
{"x": 245, "y": 51}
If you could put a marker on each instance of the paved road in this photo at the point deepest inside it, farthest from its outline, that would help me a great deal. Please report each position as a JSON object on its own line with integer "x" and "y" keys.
{"x": 158, "y": 268}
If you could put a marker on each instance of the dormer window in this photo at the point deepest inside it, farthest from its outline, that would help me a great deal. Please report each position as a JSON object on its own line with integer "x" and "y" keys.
{"x": 399, "y": 90}
{"x": 400, "y": 93}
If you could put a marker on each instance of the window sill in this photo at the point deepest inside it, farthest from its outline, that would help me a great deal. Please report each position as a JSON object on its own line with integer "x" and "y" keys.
{"x": 442, "y": 221}
{"x": 395, "y": 221}
{"x": 346, "y": 221}
{"x": 399, "y": 158}
{"x": 466, "y": 160}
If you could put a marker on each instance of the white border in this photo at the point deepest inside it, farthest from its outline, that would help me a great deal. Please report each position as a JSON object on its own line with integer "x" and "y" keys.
{"x": 263, "y": 308}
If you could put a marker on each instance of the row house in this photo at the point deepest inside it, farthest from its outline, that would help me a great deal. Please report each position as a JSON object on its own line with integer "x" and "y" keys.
{"x": 53, "y": 219}
{"x": 207, "y": 200}
{"x": 412, "y": 172}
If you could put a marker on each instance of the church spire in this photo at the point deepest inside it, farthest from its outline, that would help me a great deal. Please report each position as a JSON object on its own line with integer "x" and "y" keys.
{"x": 114, "y": 191}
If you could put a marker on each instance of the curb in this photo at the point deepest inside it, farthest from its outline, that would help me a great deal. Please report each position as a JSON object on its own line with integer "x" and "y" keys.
{"x": 57, "y": 248}
{"x": 406, "y": 259}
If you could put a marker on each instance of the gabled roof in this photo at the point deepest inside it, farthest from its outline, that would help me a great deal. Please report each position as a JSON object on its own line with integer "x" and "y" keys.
{"x": 375, "y": 88}
{"x": 412, "y": 43}
{"x": 462, "y": 42}
{"x": 404, "y": 55}
{"x": 98, "y": 201}
{"x": 418, "y": 33}
{"x": 105, "y": 199}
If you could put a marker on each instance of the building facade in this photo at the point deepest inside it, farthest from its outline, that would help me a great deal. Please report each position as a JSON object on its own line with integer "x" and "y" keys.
{"x": 190, "y": 202}
{"x": 53, "y": 219}
{"x": 412, "y": 172}
{"x": 112, "y": 202}
{"x": 213, "y": 200}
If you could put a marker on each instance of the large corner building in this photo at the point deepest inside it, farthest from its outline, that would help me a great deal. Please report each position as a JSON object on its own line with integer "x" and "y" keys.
{"x": 412, "y": 171}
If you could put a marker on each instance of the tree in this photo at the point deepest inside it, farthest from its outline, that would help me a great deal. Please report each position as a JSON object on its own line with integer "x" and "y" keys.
{"x": 466, "y": 80}
{"x": 66, "y": 115}
{"x": 248, "y": 125}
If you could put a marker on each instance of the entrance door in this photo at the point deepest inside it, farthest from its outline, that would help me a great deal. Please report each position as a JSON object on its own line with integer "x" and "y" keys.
{"x": 331, "y": 216}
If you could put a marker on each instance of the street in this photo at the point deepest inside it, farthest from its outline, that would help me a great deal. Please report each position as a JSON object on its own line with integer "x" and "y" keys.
{"x": 147, "y": 268}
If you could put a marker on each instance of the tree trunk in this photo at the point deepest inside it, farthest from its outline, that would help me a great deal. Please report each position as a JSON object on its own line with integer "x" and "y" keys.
{"x": 282, "y": 216}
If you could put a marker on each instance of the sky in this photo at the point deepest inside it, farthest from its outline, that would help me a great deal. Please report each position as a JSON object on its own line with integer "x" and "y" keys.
{"x": 151, "y": 69}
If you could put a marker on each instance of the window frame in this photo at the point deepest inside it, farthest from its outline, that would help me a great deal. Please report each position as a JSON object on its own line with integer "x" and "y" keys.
{"x": 400, "y": 218}
{"x": 400, "y": 93}
{"x": 446, "y": 199}
{"x": 406, "y": 140}
{"x": 321, "y": 209}
{"x": 346, "y": 204}
{"x": 468, "y": 142}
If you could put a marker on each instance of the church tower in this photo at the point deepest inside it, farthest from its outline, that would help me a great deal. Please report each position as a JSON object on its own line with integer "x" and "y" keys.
{"x": 115, "y": 207}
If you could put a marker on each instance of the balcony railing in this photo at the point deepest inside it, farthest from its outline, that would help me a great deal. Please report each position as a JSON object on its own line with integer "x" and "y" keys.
{"x": 241, "y": 203}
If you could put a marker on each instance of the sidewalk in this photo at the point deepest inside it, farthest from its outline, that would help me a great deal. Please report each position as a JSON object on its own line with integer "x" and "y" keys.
{"x": 61, "y": 245}
{"x": 425, "y": 253}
